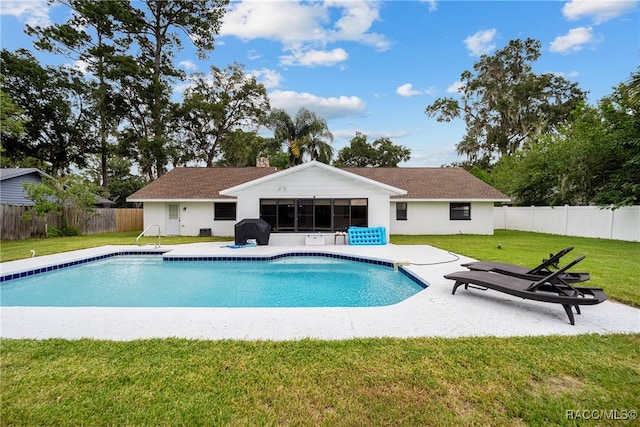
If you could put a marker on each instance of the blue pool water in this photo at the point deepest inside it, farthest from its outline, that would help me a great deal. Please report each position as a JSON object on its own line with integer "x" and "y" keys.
{"x": 150, "y": 281}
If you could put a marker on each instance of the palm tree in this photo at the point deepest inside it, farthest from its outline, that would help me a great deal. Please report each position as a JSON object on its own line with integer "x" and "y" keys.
{"x": 303, "y": 135}
{"x": 317, "y": 142}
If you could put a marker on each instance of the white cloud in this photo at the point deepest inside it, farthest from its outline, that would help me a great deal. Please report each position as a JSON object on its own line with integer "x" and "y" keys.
{"x": 407, "y": 90}
{"x": 569, "y": 75}
{"x": 183, "y": 87}
{"x": 269, "y": 78}
{"x": 306, "y": 28}
{"x": 311, "y": 58}
{"x": 188, "y": 64}
{"x": 433, "y": 4}
{"x": 82, "y": 66}
{"x": 285, "y": 21}
{"x": 600, "y": 11}
{"x": 34, "y": 13}
{"x": 327, "y": 108}
{"x": 294, "y": 22}
{"x": 357, "y": 18}
{"x": 455, "y": 87}
{"x": 481, "y": 42}
{"x": 372, "y": 135}
{"x": 574, "y": 41}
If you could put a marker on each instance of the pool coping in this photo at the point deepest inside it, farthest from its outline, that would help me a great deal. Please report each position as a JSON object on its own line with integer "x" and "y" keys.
{"x": 432, "y": 312}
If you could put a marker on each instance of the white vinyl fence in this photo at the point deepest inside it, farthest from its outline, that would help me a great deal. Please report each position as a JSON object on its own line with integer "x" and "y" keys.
{"x": 583, "y": 221}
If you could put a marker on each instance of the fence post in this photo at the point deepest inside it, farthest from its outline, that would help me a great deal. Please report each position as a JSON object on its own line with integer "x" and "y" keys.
{"x": 533, "y": 218}
{"x": 613, "y": 217}
{"x": 506, "y": 216}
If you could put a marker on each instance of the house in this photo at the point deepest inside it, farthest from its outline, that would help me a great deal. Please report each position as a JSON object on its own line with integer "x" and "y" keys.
{"x": 318, "y": 198}
{"x": 12, "y": 186}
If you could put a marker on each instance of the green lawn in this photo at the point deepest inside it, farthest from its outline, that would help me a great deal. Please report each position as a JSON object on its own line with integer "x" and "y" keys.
{"x": 428, "y": 381}
{"x": 19, "y": 249}
{"x": 364, "y": 382}
{"x": 612, "y": 264}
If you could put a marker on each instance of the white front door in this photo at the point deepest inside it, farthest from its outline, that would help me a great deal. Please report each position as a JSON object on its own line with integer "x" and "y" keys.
{"x": 173, "y": 219}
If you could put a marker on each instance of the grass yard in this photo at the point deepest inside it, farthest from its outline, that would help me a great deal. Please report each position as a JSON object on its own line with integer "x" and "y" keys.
{"x": 613, "y": 264}
{"x": 436, "y": 382}
{"x": 430, "y": 381}
{"x": 19, "y": 249}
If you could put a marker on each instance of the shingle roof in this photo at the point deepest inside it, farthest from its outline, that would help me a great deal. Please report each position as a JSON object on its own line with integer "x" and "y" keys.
{"x": 7, "y": 173}
{"x": 193, "y": 183}
{"x": 432, "y": 183}
{"x": 197, "y": 183}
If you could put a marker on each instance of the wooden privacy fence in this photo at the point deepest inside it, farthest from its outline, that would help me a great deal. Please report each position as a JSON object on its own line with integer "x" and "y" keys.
{"x": 105, "y": 220}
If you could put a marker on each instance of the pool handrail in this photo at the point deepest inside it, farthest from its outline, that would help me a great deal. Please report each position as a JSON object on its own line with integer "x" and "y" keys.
{"x": 145, "y": 230}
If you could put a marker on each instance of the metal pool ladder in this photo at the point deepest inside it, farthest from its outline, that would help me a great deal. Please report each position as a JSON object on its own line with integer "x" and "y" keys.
{"x": 157, "y": 245}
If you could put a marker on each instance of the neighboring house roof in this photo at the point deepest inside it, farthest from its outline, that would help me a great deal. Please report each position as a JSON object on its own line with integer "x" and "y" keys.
{"x": 7, "y": 173}
{"x": 11, "y": 184}
{"x": 13, "y": 191}
{"x": 199, "y": 183}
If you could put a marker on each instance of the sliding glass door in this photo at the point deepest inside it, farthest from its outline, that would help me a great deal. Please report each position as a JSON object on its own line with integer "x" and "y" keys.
{"x": 313, "y": 215}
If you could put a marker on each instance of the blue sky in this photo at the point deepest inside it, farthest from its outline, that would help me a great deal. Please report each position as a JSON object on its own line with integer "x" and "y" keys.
{"x": 373, "y": 67}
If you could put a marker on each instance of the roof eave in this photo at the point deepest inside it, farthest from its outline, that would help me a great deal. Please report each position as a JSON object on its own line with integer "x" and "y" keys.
{"x": 170, "y": 200}
{"x": 314, "y": 163}
{"x": 449, "y": 199}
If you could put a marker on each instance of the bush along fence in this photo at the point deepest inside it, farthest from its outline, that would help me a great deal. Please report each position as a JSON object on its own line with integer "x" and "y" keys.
{"x": 579, "y": 221}
{"x": 104, "y": 220}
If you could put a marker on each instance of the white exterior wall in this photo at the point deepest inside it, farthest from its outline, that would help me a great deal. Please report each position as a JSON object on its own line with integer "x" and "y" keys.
{"x": 584, "y": 221}
{"x": 424, "y": 217}
{"x": 154, "y": 213}
{"x": 315, "y": 183}
{"x": 433, "y": 218}
{"x": 200, "y": 215}
{"x": 196, "y": 216}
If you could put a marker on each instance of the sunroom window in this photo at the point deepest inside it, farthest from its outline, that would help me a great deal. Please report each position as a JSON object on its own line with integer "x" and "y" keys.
{"x": 313, "y": 215}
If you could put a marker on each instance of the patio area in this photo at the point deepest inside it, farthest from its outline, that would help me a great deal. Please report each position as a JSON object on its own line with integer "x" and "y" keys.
{"x": 433, "y": 312}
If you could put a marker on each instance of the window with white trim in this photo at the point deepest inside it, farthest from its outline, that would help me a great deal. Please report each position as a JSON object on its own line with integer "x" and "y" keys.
{"x": 401, "y": 211}
{"x": 224, "y": 211}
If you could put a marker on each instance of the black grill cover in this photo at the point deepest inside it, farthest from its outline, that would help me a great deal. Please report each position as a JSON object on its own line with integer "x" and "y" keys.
{"x": 252, "y": 228}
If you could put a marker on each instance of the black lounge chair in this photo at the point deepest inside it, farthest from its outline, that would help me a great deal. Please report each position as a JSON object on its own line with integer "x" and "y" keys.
{"x": 546, "y": 289}
{"x": 536, "y": 273}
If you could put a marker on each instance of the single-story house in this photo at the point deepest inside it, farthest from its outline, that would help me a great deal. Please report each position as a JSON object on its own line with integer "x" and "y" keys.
{"x": 12, "y": 186}
{"x": 318, "y": 198}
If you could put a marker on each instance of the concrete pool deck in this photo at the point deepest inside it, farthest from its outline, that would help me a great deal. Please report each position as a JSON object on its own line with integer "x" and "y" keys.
{"x": 433, "y": 312}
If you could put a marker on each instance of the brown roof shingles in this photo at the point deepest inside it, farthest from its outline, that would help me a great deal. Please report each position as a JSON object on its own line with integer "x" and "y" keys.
{"x": 421, "y": 183}
{"x": 432, "y": 183}
{"x": 197, "y": 183}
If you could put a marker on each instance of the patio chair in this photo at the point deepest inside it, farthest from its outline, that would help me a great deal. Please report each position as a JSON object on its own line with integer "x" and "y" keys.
{"x": 542, "y": 270}
{"x": 546, "y": 289}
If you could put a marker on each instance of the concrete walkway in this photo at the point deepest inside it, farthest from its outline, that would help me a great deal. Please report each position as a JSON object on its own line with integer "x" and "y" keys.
{"x": 433, "y": 312}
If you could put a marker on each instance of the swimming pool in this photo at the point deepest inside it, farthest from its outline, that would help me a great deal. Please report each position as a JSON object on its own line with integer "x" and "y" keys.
{"x": 288, "y": 280}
